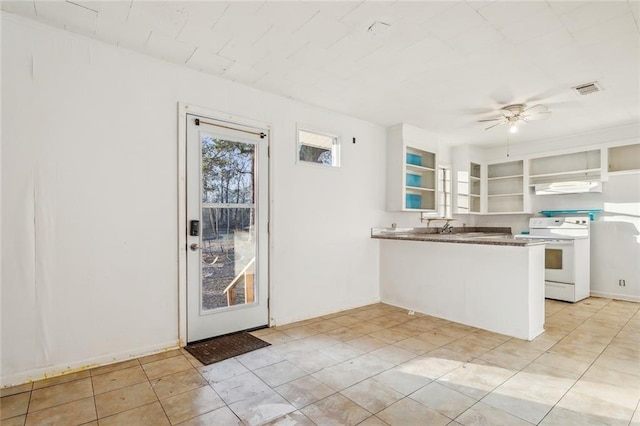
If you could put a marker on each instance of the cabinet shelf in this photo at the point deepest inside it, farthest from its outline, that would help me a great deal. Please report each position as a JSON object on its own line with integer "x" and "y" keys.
{"x": 505, "y": 187}
{"x": 419, "y": 168}
{"x": 420, "y": 179}
{"x": 505, "y": 170}
{"x": 565, "y": 167}
{"x": 469, "y": 183}
{"x": 587, "y": 174}
{"x": 515, "y": 194}
{"x": 474, "y": 171}
{"x": 572, "y": 172}
{"x": 412, "y": 169}
{"x": 419, "y": 188}
{"x": 504, "y": 177}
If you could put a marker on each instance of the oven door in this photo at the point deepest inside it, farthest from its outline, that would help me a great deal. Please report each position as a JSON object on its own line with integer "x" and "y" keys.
{"x": 558, "y": 262}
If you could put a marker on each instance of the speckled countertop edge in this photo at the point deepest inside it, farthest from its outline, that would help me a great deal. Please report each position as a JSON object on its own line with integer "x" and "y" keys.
{"x": 437, "y": 238}
{"x": 425, "y": 234}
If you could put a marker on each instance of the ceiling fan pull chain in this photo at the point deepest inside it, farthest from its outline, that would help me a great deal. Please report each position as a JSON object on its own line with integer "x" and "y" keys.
{"x": 508, "y": 138}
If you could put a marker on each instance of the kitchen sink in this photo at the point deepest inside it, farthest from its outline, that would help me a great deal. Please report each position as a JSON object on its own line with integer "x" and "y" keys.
{"x": 469, "y": 234}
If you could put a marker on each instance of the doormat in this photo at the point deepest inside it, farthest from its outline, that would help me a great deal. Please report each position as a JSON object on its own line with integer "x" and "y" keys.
{"x": 220, "y": 348}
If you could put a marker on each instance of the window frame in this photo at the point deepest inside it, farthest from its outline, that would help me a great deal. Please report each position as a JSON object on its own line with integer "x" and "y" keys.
{"x": 336, "y": 161}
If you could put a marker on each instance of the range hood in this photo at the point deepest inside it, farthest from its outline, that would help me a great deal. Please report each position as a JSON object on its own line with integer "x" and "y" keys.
{"x": 570, "y": 187}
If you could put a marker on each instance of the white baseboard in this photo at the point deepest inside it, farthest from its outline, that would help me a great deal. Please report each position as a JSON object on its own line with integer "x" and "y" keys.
{"x": 58, "y": 370}
{"x": 615, "y": 296}
{"x": 290, "y": 319}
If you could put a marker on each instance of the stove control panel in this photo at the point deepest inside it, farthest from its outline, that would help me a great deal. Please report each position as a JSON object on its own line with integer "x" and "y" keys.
{"x": 558, "y": 222}
{"x": 559, "y": 227}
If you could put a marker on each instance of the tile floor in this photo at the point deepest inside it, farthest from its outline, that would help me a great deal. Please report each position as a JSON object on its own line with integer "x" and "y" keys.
{"x": 374, "y": 365}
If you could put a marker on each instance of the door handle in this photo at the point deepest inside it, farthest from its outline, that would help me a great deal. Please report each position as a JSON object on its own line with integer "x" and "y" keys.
{"x": 194, "y": 247}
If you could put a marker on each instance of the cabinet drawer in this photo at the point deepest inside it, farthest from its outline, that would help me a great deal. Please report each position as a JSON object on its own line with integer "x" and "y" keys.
{"x": 559, "y": 291}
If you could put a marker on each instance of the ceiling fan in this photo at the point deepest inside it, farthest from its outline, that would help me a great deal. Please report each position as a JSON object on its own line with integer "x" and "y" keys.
{"x": 516, "y": 114}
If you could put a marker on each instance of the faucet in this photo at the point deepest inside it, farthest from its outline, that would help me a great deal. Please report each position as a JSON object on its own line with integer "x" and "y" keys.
{"x": 447, "y": 228}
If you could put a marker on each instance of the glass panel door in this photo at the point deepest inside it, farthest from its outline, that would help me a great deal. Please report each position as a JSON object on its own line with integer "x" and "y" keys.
{"x": 227, "y": 256}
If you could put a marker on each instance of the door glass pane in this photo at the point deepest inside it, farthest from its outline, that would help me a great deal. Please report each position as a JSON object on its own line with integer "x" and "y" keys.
{"x": 228, "y": 170}
{"x": 553, "y": 259}
{"x": 228, "y": 223}
{"x": 228, "y": 257}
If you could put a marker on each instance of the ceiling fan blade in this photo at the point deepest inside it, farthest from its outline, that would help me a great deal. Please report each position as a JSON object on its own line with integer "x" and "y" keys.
{"x": 491, "y": 127}
{"x": 476, "y": 111}
{"x": 539, "y": 116}
{"x": 490, "y": 119}
{"x": 536, "y": 108}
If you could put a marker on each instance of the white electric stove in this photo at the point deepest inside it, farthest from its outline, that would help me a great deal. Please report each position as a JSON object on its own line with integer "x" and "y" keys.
{"x": 567, "y": 256}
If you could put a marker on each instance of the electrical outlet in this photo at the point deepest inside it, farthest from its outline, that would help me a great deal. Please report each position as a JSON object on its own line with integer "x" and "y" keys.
{"x": 622, "y": 283}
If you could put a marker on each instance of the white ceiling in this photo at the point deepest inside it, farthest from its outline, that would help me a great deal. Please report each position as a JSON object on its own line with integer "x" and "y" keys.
{"x": 440, "y": 65}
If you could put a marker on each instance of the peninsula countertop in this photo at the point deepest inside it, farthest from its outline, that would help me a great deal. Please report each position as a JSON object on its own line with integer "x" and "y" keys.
{"x": 461, "y": 235}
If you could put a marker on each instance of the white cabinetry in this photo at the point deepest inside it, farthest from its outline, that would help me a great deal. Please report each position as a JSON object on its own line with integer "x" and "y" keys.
{"x": 411, "y": 170}
{"x": 468, "y": 175}
{"x": 486, "y": 187}
{"x": 583, "y": 165}
{"x": 505, "y": 187}
{"x": 469, "y": 189}
{"x": 475, "y": 185}
{"x": 624, "y": 158}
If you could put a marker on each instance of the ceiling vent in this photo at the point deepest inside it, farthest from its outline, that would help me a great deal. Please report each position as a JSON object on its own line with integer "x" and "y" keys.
{"x": 587, "y": 88}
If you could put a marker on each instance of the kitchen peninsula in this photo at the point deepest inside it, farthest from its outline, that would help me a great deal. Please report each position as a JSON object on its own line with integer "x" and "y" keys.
{"x": 478, "y": 277}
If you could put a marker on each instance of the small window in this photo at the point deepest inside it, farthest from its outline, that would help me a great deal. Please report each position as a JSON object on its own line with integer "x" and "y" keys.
{"x": 318, "y": 148}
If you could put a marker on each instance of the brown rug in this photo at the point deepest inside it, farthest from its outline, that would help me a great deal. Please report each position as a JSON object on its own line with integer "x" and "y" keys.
{"x": 223, "y": 347}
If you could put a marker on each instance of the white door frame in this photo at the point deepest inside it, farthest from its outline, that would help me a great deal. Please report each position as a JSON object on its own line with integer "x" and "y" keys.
{"x": 183, "y": 109}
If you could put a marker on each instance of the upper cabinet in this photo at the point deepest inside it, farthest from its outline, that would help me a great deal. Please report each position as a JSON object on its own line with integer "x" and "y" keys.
{"x": 624, "y": 159}
{"x": 411, "y": 169}
{"x": 475, "y": 185}
{"x": 505, "y": 187}
{"x": 583, "y": 165}
{"x": 487, "y": 187}
{"x": 420, "y": 179}
{"x": 469, "y": 189}
{"x": 468, "y": 175}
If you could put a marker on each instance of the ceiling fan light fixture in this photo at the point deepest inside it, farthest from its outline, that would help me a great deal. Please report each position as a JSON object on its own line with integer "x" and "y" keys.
{"x": 516, "y": 114}
{"x": 515, "y": 109}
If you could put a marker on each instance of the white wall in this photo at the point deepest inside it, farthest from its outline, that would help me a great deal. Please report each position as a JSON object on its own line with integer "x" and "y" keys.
{"x": 89, "y": 202}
